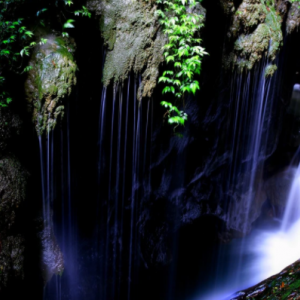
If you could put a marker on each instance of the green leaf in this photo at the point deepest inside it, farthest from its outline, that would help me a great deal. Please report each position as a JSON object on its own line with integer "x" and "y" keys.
{"x": 27, "y": 69}
{"x": 68, "y": 2}
{"x": 43, "y": 41}
{"x": 166, "y": 104}
{"x": 69, "y": 24}
{"x": 163, "y": 79}
{"x": 41, "y": 11}
{"x": 168, "y": 73}
{"x": 194, "y": 86}
{"x": 170, "y": 58}
{"x": 167, "y": 89}
{"x": 29, "y": 33}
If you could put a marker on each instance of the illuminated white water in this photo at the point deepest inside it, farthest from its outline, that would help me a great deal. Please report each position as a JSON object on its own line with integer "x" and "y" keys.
{"x": 268, "y": 251}
{"x": 276, "y": 250}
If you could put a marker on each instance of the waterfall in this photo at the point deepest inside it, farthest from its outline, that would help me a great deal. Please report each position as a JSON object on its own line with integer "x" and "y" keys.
{"x": 279, "y": 248}
{"x": 59, "y": 233}
{"x": 253, "y": 97}
{"x": 251, "y": 108}
{"x": 292, "y": 211}
{"x": 125, "y": 125}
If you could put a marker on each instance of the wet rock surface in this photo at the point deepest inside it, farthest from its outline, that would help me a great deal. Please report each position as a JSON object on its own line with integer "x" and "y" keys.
{"x": 10, "y": 127}
{"x": 256, "y": 31}
{"x": 50, "y": 80}
{"x": 277, "y": 188}
{"x": 13, "y": 179}
{"x": 134, "y": 39}
{"x": 12, "y": 190}
{"x": 284, "y": 285}
{"x": 51, "y": 257}
{"x": 293, "y": 19}
{"x": 12, "y": 249}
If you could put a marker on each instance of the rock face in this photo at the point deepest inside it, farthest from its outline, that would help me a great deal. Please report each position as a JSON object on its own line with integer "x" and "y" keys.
{"x": 51, "y": 257}
{"x": 293, "y": 19}
{"x": 12, "y": 194}
{"x": 132, "y": 34}
{"x": 11, "y": 260}
{"x": 134, "y": 39}
{"x": 50, "y": 80}
{"x": 13, "y": 179}
{"x": 256, "y": 31}
{"x": 284, "y": 285}
{"x": 277, "y": 188}
{"x": 10, "y": 125}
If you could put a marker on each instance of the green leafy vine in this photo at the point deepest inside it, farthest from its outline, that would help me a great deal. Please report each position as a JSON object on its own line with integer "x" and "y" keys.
{"x": 183, "y": 52}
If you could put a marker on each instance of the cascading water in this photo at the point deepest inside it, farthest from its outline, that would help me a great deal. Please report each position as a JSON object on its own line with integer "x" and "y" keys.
{"x": 59, "y": 233}
{"x": 123, "y": 168}
{"x": 251, "y": 103}
{"x": 252, "y": 99}
{"x": 276, "y": 249}
{"x": 106, "y": 260}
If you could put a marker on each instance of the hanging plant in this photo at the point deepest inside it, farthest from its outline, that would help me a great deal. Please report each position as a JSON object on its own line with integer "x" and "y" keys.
{"x": 183, "y": 53}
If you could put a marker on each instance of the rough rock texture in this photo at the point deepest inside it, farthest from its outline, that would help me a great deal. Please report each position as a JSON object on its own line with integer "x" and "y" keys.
{"x": 12, "y": 193}
{"x": 256, "y": 30}
{"x": 282, "y": 7}
{"x": 228, "y": 6}
{"x": 10, "y": 126}
{"x": 12, "y": 190}
{"x": 51, "y": 256}
{"x": 277, "y": 188}
{"x": 270, "y": 70}
{"x": 293, "y": 19}
{"x": 12, "y": 250}
{"x": 50, "y": 80}
{"x": 132, "y": 34}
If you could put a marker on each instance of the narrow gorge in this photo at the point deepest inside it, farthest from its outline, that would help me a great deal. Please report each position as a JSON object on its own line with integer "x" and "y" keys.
{"x": 149, "y": 149}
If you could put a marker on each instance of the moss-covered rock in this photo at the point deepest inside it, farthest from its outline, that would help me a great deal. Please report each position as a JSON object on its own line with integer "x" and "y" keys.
{"x": 50, "y": 80}
{"x": 293, "y": 19}
{"x": 270, "y": 70}
{"x": 249, "y": 14}
{"x": 282, "y": 286}
{"x": 132, "y": 34}
{"x": 257, "y": 32}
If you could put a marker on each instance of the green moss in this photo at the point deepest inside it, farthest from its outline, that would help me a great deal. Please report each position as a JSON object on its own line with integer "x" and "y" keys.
{"x": 270, "y": 70}
{"x": 50, "y": 81}
{"x": 132, "y": 34}
{"x": 293, "y": 286}
{"x": 293, "y": 19}
{"x": 261, "y": 36}
{"x": 134, "y": 40}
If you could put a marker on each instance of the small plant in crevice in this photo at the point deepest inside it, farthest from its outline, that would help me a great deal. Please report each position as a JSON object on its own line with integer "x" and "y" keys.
{"x": 183, "y": 53}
